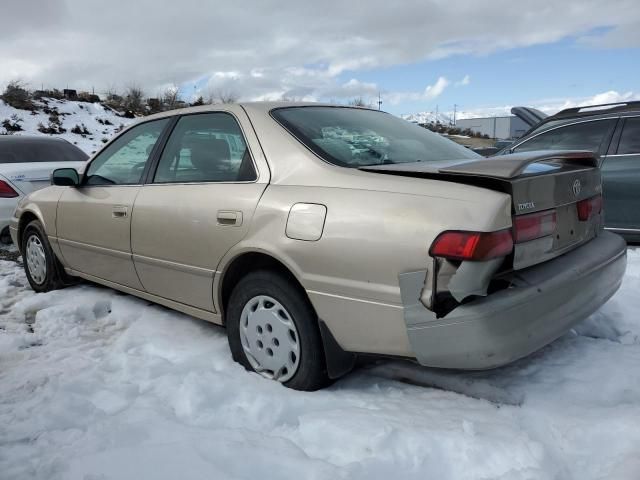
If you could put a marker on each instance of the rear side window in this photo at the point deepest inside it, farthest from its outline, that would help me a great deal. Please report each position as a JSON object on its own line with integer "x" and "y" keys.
{"x": 24, "y": 150}
{"x": 205, "y": 147}
{"x": 579, "y": 136}
{"x": 630, "y": 139}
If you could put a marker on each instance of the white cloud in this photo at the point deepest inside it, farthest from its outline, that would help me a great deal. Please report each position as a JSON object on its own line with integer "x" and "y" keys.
{"x": 429, "y": 93}
{"x": 550, "y": 106}
{"x": 466, "y": 80}
{"x": 435, "y": 90}
{"x": 264, "y": 47}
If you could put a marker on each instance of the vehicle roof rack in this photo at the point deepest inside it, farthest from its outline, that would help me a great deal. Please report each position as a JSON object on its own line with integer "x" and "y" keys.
{"x": 601, "y": 108}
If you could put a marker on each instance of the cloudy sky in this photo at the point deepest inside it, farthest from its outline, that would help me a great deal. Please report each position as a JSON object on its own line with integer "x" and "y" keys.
{"x": 419, "y": 55}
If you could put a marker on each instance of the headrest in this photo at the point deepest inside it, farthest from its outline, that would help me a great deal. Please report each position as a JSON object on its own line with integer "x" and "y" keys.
{"x": 208, "y": 153}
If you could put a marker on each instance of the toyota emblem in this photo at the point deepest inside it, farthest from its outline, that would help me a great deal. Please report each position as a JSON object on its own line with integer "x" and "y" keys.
{"x": 577, "y": 187}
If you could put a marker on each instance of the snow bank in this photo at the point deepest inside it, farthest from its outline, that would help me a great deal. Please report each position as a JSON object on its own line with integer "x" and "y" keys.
{"x": 72, "y": 113}
{"x": 99, "y": 385}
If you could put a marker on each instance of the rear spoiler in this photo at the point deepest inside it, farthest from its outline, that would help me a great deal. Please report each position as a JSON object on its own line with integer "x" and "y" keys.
{"x": 504, "y": 167}
{"x": 514, "y": 165}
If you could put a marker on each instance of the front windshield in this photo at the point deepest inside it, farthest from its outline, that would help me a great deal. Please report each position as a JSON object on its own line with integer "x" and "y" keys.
{"x": 354, "y": 137}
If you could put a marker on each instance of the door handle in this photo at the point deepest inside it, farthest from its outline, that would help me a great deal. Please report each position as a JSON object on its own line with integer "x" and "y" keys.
{"x": 229, "y": 217}
{"x": 119, "y": 212}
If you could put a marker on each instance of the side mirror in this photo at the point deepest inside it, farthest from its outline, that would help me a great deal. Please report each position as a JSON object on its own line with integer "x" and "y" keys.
{"x": 65, "y": 177}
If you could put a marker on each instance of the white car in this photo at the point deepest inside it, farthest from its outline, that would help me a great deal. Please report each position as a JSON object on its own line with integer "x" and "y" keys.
{"x": 26, "y": 163}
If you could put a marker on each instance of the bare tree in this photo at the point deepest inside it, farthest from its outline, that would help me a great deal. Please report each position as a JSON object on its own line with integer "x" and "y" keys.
{"x": 290, "y": 98}
{"x": 358, "y": 102}
{"x": 222, "y": 96}
{"x": 134, "y": 99}
{"x": 170, "y": 98}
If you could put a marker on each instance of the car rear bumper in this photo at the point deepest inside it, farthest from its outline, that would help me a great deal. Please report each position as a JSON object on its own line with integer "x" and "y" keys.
{"x": 544, "y": 302}
{"x": 7, "y": 206}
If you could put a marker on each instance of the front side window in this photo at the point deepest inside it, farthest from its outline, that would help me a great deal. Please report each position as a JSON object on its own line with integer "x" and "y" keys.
{"x": 354, "y": 137}
{"x": 630, "y": 139}
{"x": 205, "y": 147}
{"x": 579, "y": 136}
{"x": 123, "y": 162}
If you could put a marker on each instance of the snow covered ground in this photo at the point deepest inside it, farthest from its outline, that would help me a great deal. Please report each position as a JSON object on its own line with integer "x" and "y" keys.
{"x": 71, "y": 113}
{"x": 98, "y": 385}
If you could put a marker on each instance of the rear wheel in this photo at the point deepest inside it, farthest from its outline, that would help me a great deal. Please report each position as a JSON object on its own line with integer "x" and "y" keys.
{"x": 42, "y": 267}
{"x": 273, "y": 330}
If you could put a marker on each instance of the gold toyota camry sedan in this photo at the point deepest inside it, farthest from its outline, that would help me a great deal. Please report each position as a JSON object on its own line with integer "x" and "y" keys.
{"x": 316, "y": 233}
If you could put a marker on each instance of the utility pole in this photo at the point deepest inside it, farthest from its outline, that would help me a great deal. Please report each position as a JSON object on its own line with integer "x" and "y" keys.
{"x": 436, "y": 113}
{"x": 455, "y": 108}
{"x": 379, "y": 101}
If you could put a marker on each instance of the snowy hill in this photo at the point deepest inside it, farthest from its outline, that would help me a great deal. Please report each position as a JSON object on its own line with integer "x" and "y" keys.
{"x": 427, "y": 117}
{"x": 95, "y": 123}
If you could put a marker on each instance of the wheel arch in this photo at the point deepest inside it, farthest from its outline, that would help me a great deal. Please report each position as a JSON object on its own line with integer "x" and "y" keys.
{"x": 26, "y": 217}
{"x": 338, "y": 361}
{"x": 245, "y": 263}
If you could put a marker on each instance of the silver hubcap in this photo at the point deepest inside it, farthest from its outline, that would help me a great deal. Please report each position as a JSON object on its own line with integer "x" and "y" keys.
{"x": 36, "y": 259}
{"x": 269, "y": 338}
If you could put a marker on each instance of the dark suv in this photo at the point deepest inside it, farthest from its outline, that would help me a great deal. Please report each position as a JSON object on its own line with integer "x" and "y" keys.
{"x": 613, "y": 131}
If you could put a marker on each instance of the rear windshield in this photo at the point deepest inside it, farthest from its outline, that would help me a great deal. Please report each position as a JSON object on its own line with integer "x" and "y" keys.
{"x": 21, "y": 150}
{"x": 353, "y": 137}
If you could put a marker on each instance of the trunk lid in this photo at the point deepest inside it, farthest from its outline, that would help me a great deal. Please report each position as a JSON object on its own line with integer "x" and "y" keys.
{"x": 530, "y": 116}
{"x": 536, "y": 181}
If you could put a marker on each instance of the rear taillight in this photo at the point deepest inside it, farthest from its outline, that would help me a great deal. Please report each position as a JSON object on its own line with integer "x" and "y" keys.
{"x": 589, "y": 207}
{"x": 472, "y": 245}
{"x": 534, "y": 225}
{"x": 6, "y": 191}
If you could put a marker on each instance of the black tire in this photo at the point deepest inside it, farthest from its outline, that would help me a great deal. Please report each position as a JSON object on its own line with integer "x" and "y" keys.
{"x": 55, "y": 274}
{"x": 5, "y": 237}
{"x": 312, "y": 370}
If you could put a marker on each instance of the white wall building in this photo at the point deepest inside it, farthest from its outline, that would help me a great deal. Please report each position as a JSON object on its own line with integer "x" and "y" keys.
{"x": 496, "y": 127}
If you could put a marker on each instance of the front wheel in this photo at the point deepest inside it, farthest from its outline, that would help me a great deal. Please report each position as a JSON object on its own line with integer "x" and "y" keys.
{"x": 43, "y": 269}
{"x": 273, "y": 330}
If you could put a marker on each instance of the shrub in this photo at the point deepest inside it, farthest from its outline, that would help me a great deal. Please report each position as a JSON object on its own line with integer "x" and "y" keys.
{"x": 80, "y": 130}
{"x": 54, "y": 127}
{"x": 88, "y": 97}
{"x": 17, "y": 96}
{"x": 12, "y": 124}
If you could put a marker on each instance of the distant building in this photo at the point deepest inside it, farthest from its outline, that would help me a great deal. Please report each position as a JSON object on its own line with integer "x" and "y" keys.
{"x": 501, "y": 128}
{"x": 70, "y": 94}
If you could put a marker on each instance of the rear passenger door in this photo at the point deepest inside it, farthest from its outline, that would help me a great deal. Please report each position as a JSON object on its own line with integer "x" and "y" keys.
{"x": 197, "y": 204}
{"x": 621, "y": 180}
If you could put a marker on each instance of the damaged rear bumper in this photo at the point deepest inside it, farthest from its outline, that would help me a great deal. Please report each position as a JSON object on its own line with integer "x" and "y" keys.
{"x": 542, "y": 304}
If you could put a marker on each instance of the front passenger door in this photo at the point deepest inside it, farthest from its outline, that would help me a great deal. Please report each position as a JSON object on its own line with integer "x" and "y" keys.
{"x": 94, "y": 219}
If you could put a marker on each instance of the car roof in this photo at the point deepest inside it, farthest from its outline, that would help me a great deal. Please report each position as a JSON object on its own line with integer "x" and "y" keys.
{"x": 30, "y": 139}
{"x": 264, "y": 106}
{"x": 605, "y": 110}
{"x": 586, "y": 112}
{"x": 601, "y": 109}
